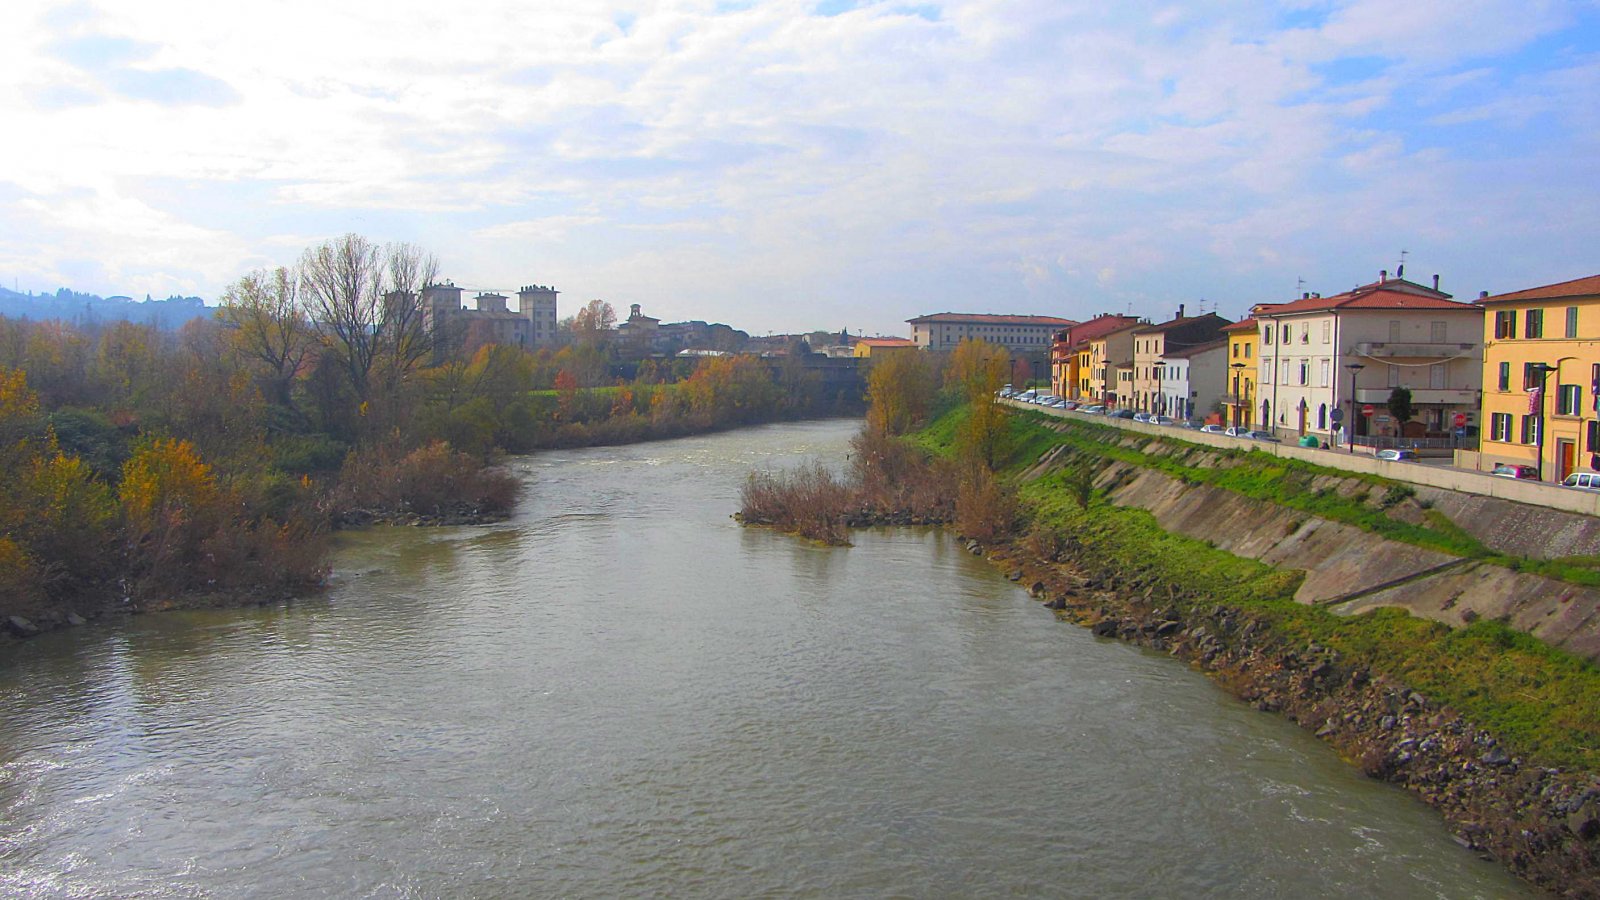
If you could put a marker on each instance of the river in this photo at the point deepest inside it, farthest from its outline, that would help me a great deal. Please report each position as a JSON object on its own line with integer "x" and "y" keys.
{"x": 622, "y": 693}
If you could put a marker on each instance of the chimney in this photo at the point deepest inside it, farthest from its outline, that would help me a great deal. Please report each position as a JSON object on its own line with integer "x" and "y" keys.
{"x": 1436, "y": 282}
{"x": 1483, "y": 295}
{"x": 1306, "y": 296}
{"x": 1383, "y": 275}
{"x": 1180, "y": 310}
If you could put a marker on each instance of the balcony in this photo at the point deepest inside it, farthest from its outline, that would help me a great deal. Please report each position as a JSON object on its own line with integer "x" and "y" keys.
{"x": 1411, "y": 350}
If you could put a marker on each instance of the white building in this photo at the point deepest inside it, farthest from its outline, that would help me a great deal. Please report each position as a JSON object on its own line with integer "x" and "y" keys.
{"x": 1194, "y": 379}
{"x": 1026, "y": 334}
{"x": 1388, "y": 334}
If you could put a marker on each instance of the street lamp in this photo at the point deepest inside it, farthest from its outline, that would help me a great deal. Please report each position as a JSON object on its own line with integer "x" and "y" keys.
{"x": 1542, "y": 370}
{"x": 1238, "y": 399}
{"x": 1350, "y": 429}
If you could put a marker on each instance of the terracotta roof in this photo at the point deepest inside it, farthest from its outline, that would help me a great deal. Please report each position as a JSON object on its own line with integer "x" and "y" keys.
{"x": 1187, "y": 352}
{"x": 1100, "y": 326}
{"x": 1245, "y": 325}
{"x": 1577, "y": 287}
{"x": 993, "y": 319}
{"x": 1372, "y": 296}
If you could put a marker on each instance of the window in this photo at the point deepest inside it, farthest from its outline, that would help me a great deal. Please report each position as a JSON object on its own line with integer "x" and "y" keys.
{"x": 1394, "y": 329}
{"x": 1533, "y": 325}
{"x": 1322, "y": 416}
{"x": 1572, "y": 322}
{"x": 1438, "y": 374}
{"x": 1235, "y": 351}
{"x": 1327, "y": 332}
{"x": 1592, "y": 437}
{"x": 1305, "y": 332}
{"x": 1283, "y": 376}
{"x": 1569, "y": 399}
{"x": 1266, "y": 335}
{"x": 1505, "y": 377}
{"x": 1246, "y": 351}
{"x": 1394, "y": 376}
{"x": 1530, "y": 377}
{"x": 1500, "y": 427}
{"x": 1324, "y": 372}
{"x": 1505, "y": 324}
{"x": 1305, "y": 372}
{"x": 1284, "y": 336}
{"x": 1530, "y": 429}
{"x": 1437, "y": 332}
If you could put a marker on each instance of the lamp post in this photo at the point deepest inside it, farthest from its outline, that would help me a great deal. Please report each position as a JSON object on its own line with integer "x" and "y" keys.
{"x": 1238, "y": 399}
{"x": 1350, "y": 437}
{"x": 1542, "y": 370}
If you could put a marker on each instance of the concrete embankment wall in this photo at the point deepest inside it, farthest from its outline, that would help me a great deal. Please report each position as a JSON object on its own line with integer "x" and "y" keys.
{"x": 1350, "y": 570}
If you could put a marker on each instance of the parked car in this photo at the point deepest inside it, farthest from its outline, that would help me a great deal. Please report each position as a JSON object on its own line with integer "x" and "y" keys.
{"x": 1162, "y": 420}
{"x": 1057, "y": 403}
{"x": 1045, "y": 399}
{"x": 1070, "y": 404}
{"x": 1507, "y": 470}
{"x": 1397, "y": 455}
{"x": 1238, "y": 431}
{"x": 1212, "y": 429}
{"x": 1094, "y": 409}
{"x": 1027, "y": 396}
{"x": 1267, "y": 436}
{"x": 1141, "y": 417}
{"x": 1121, "y": 414}
{"x": 1583, "y": 481}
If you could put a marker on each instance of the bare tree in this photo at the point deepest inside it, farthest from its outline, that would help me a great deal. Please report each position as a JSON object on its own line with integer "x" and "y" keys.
{"x": 368, "y": 302}
{"x": 269, "y": 328}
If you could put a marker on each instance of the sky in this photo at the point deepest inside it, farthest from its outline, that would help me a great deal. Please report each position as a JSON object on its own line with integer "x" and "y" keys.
{"x": 790, "y": 166}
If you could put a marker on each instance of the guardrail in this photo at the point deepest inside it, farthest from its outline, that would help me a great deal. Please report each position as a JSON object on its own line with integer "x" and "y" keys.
{"x": 1534, "y": 493}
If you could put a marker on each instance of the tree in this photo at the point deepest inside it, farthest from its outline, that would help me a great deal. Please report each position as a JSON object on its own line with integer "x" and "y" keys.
{"x": 593, "y": 321}
{"x": 367, "y": 300}
{"x": 976, "y": 372}
{"x": 1400, "y": 405}
{"x": 270, "y": 329}
{"x": 899, "y": 391}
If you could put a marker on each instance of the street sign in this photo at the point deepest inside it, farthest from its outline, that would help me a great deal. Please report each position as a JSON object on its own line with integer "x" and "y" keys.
{"x": 1460, "y": 419}
{"x": 1337, "y": 415}
{"x": 1368, "y": 410}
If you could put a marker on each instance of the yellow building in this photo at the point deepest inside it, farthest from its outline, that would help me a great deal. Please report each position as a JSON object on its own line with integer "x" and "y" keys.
{"x": 1541, "y": 378}
{"x": 867, "y": 348}
{"x": 1239, "y": 397}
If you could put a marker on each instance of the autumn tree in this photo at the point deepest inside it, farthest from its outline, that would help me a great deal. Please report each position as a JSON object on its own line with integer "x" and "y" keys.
{"x": 976, "y": 371}
{"x": 593, "y": 321}
{"x": 270, "y": 328}
{"x": 899, "y": 391}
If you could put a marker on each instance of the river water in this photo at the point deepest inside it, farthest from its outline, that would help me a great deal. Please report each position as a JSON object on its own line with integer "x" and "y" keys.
{"x": 622, "y": 693}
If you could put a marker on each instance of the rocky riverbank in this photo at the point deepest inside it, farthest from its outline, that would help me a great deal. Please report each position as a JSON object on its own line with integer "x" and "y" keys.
{"x": 1542, "y": 823}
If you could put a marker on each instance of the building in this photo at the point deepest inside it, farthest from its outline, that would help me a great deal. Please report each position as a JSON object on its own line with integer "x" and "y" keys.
{"x": 1019, "y": 334}
{"x": 868, "y": 348}
{"x": 1109, "y": 364}
{"x": 1071, "y": 356}
{"x": 1372, "y": 339}
{"x": 1541, "y": 377}
{"x": 1152, "y": 343}
{"x": 1238, "y": 400}
{"x": 459, "y": 330}
{"x": 1193, "y": 379}
{"x": 638, "y": 330}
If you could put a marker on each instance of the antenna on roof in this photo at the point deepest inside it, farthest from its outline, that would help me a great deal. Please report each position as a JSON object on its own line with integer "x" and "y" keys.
{"x": 1400, "y": 270}
{"x": 1299, "y": 284}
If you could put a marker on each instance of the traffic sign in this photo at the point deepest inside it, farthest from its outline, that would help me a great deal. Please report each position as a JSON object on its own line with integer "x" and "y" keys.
{"x": 1368, "y": 410}
{"x": 1460, "y": 419}
{"x": 1337, "y": 415}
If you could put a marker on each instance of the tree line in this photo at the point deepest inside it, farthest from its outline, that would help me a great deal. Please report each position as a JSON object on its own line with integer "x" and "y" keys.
{"x": 146, "y": 468}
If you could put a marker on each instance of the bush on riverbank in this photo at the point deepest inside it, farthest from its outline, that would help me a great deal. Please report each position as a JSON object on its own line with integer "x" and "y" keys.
{"x": 433, "y": 482}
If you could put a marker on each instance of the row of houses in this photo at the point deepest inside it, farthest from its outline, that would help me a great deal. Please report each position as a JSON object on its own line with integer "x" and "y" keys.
{"x": 1521, "y": 370}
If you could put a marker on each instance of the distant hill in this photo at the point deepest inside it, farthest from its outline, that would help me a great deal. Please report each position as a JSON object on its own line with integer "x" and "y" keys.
{"x": 87, "y": 309}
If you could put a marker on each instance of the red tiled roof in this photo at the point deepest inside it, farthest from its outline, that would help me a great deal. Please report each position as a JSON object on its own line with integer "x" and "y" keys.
{"x": 1245, "y": 325}
{"x": 1577, "y": 287}
{"x": 1100, "y": 326}
{"x": 993, "y": 319}
{"x": 1371, "y": 296}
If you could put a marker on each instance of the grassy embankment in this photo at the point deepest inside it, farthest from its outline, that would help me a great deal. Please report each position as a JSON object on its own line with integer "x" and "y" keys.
{"x": 1540, "y": 701}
